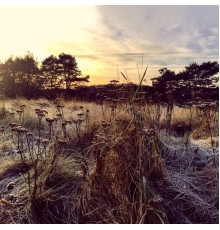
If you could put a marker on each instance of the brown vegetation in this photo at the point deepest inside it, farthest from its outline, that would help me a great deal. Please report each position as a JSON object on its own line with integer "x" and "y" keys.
{"x": 120, "y": 160}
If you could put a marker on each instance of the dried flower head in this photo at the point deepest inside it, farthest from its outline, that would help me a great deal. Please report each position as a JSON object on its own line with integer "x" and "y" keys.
{"x": 22, "y": 106}
{"x": 80, "y": 115}
{"x": 19, "y": 111}
{"x": 44, "y": 111}
{"x": 60, "y": 106}
{"x": 21, "y": 130}
{"x": 114, "y": 81}
{"x": 40, "y": 114}
{"x": 49, "y": 121}
{"x": 62, "y": 142}
{"x": 29, "y": 134}
{"x": 13, "y": 125}
{"x": 68, "y": 121}
{"x": 37, "y": 110}
{"x": 45, "y": 141}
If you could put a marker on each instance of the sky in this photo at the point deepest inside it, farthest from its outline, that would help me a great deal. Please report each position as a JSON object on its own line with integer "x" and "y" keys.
{"x": 109, "y": 39}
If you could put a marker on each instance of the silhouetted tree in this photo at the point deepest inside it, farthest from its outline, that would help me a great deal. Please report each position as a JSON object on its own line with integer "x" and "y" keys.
{"x": 20, "y": 76}
{"x": 160, "y": 83}
{"x": 61, "y": 72}
{"x": 50, "y": 71}
{"x": 184, "y": 86}
{"x": 203, "y": 75}
{"x": 69, "y": 71}
{"x": 7, "y": 80}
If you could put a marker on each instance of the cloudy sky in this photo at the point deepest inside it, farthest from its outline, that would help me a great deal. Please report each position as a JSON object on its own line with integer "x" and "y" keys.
{"x": 110, "y": 39}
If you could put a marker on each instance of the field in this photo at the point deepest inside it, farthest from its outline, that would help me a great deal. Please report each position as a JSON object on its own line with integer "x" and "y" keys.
{"x": 108, "y": 161}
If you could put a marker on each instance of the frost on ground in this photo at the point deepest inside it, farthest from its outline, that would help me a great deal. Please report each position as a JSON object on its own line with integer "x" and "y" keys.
{"x": 114, "y": 169}
{"x": 192, "y": 174}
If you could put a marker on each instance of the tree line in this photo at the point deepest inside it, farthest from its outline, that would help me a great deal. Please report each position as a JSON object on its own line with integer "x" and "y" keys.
{"x": 22, "y": 76}
{"x": 195, "y": 82}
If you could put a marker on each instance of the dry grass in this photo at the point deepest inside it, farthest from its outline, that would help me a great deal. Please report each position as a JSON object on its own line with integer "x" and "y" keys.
{"x": 112, "y": 165}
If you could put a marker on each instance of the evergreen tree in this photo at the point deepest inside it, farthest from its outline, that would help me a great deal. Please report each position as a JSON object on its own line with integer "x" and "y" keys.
{"x": 50, "y": 72}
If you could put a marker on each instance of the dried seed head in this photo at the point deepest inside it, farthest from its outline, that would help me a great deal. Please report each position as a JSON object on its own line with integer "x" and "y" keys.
{"x": 37, "y": 139}
{"x": 114, "y": 81}
{"x": 13, "y": 129}
{"x": 13, "y": 125}
{"x": 22, "y": 106}
{"x": 60, "y": 106}
{"x": 40, "y": 114}
{"x": 45, "y": 141}
{"x": 49, "y": 121}
{"x": 37, "y": 110}
{"x": 21, "y": 129}
{"x": 29, "y": 134}
{"x": 19, "y": 111}
{"x": 62, "y": 142}
{"x": 44, "y": 111}
{"x": 80, "y": 114}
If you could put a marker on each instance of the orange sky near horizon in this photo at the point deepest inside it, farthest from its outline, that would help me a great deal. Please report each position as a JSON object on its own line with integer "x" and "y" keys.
{"x": 108, "y": 40}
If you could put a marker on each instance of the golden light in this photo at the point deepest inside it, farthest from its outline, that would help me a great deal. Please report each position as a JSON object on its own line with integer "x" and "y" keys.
{"x": 40, "y": 28}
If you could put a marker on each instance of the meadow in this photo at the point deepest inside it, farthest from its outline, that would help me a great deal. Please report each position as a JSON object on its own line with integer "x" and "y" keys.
{"x": 108, "y": 161}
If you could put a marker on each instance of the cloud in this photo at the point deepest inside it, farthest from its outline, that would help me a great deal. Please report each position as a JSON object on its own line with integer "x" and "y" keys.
{"x": 161, "y": 29}
{"x": 104, "y": 37}
{"x": 172, "y": 27}
{"x": 168, "y": 36}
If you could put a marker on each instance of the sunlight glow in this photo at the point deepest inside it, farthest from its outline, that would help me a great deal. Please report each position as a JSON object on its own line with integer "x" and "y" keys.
{"x": 39, "y": 28}
{"x": 106, "y": 38}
